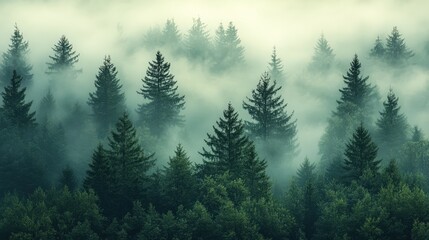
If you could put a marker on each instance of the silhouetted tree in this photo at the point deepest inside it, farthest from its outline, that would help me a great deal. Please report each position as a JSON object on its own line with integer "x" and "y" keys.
{"x": 255, "y": 176}
{"x": 179, "y": 182}
{"x": 392, "y": 130}
{"x": 68, "y": 179}
{"x": 107, "y": 101}
{"x": 396, "y": 49}
{"x": 129, "y": 164}
{"x": 360, "y": 155}
{"x": 417, "y": 134}
{"x": 15, "y": 58}
{"x": 378, "y": 51}
{"x": 272, "y": 125}
{"x": 47, "y": 108}
{"x": 197, "y": 42}
{"x": 63, "y": 59}
{"x": 172, "y": 37}
{"x": 323, "y": 56}
{"x": 306, "y": 173}
{"x": 165, "y": 104}
{"x": 276, "y": 67}
{"x": 15, "y": 111}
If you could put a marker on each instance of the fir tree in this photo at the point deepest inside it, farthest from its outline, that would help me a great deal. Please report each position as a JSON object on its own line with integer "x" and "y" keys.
{"x": 130, "y": 165}
{"x": 171, "y": 36}
{"x": 235, "y": 50}
{"x": 306, "y": 173}
{"x": 16, "y": 59}
{"x": 99, "y": 176}
{"x": 197, "y": 43}
{"x": 323, "y": 56}
{"x": 68, "y": 179}
{"x": 165, "y": 104}
{"x": 47, "y": 108}
{"x": 15, "y": 111}
{"x": 360, "y": 155}
{"x": 107, "y": 101}
{"x": 417, "y": 134}
{"x": 276, "y": 67}
{"x": 271, "y": 121}
{"x": 396, "y": 50}
{"x": 230, "y": 151}
{"x": 378, "y": 51}
{"x": 64, "y": 58}
{"x": 180, "y": 182}
{"x": 392, "y": 128}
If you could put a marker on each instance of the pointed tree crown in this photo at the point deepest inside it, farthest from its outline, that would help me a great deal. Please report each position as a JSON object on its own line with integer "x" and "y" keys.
{"x": 64, "y": 56}
{"x": 323, "y": 55}
{"x": 15, "y": 110}
{"x": 378, "y": 51}
{"x": 15, "y": 59}
{"x": 276, "y": 67}
{"x": 396, "y": 49}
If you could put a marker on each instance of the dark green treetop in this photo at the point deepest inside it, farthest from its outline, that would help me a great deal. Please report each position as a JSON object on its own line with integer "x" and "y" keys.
{"x": 107, "y": 101}
{"x": 276, "y": 67}
{"x": 15, "y": 59}
{"x": 378, "y": 51}
{"x": 15, "y": 111}
{"x": 64, "y": 57}
{"x": 396, "y": 50}
{"x": 160, "y": 89}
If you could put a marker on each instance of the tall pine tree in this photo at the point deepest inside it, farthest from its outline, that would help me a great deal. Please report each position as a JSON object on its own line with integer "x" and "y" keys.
{"x": 392, "y": 132}
{"x": 276, "y": 67}
{"x": 396, "y": 50}
{"x": 107, "y": 101}
{"x": 15, "y": 111}
{"x": 360, "y": 155}
{"x": 230, "y": 150}
{"x": 165, "y": 104}
{"x": 272, "y": 124}
{"x": 323, "y": 56}
{"x": 378, "y": 51}
{"x": 64, "y": 58}
{"x": 197, "y": 42}
{"x": 16, "y": 59}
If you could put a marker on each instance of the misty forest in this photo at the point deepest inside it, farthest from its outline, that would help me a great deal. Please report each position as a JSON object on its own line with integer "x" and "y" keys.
{"x": 167, "y": 126}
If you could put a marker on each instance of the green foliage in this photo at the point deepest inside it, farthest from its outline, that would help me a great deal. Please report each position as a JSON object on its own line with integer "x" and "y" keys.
{"x": 276, "y": 67}
{"x": 392, "y": 128}
{"x": 272, "y": 125}
{"x": 306, "y": 173}
{"x": 378, "y": 51}
{"x": 15, "y": 58}
{"x": 68, "y": 179}
{"x": 417, "y": 134}
{"x": 165, "y": 104}
{"x": 107, "y": 102}
{"x": 323, "y": 56}
{"x": 197, "y": 42}
{"x": 360, "y": 156}
{"x": 397, "y": 52}
{"x": 179, "y": 181}
{"x": 15, "y": 112}
{"x": 47, "y": 108}
{"x": 227, "y": 51}
{"x": 64, "y": 58}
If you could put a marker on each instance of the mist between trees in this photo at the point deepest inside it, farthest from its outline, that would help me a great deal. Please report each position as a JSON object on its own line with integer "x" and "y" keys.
{"x": 184, "y": 136}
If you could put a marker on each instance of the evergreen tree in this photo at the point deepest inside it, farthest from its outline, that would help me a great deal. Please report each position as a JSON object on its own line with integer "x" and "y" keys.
{"x": 417, "y": 135}
{"x": 396, "y": 50}
{"x": 16, "y": 59}
{"x": 107, "y": 101}
{"x": 360, "y": 155}
{"x": 46, "y": 107}
{"x": 235, "y": 50}
{"x": 197, "y": 43}
{"x": 68, "y": 179}
{"x": 378, "y": 51}
{"x": 323, "y": 56}
{"x": 276, "y": 67}
{"x": 180, "y": 182}
{"x": 64, "y": 58}
{"x": 159, "y": 87}
{"x": 130, "y": 165}
{"x": 15, "y": 111}
{"x": 171, "y": 36}
{"x": 392, "y": 128}
{"x": 306, "y": 173}
{"x": 99, "y": 176}
{"x": 230, "y": 151}
{"x": 271, "y": 124}
{"x": 357, "y": 90}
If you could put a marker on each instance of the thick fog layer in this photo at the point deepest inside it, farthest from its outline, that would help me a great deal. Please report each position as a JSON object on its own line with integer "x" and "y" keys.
{"x": 117, "y": 28}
